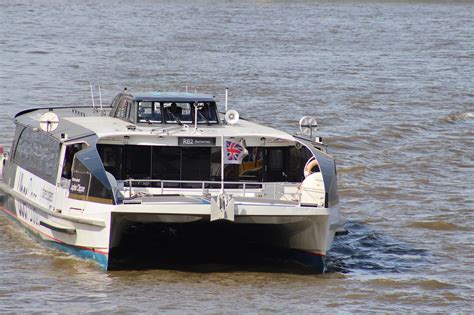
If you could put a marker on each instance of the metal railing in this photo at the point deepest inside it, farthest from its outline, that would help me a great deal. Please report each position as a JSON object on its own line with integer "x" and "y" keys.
{"x": 274, "y": 190}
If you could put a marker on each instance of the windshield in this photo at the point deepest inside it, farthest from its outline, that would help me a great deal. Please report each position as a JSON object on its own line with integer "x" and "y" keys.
{"x": 176, "y": 112}
{"x": 185, "y": 112}
{"x": 206, "y": 113}
{"x": 149, "y": 112}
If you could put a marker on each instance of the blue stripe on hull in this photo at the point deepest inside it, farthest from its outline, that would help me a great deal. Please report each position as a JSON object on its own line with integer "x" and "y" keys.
{"x": 101, "y": 259}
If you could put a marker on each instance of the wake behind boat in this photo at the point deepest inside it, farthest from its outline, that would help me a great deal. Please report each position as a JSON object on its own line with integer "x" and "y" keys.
{"x": 84, "y": 178}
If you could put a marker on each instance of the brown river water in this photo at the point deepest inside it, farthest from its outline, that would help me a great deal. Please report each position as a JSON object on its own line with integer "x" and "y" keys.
{"x": 392, "y": 86}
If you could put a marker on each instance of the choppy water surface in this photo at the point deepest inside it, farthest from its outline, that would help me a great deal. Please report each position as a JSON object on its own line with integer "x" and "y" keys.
{"x": 392, "y": 84}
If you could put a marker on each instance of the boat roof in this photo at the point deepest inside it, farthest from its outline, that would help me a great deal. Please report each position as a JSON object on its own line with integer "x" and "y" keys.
{"x": 172, "y": 97}
{"x": 80, "y": 122}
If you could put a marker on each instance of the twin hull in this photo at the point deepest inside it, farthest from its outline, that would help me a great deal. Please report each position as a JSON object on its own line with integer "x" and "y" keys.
{"x": 96, "y": 231}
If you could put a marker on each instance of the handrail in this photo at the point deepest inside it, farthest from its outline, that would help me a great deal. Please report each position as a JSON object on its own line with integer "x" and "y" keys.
{"x": 244, "y": 185}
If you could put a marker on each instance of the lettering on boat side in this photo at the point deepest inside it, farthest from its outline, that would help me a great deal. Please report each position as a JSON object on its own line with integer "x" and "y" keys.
{"x": 47, "y": 195}
{"x": 80, "y": 183}
{"x": 27, "y": 213}
{"x": 196, "y": 141}
{"x": 34, "y": 188}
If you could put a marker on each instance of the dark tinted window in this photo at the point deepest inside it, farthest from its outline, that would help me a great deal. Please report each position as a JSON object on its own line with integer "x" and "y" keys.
{"x": 70, "y": 152}
{"x": 297, "y": 158}
{"x": 276, "y": 165}
{"x": 155, "y": 162}
{"x": 137, "y": 162}
{"x": 166, "y": 163}
{"x": 196, "y": 164}
{"x": 203, "y": 163}
{"x": 38, "y": 153}
{"x": 111, "y": 156}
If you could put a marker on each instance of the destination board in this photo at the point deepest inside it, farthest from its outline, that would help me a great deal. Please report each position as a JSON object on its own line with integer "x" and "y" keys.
{"x": 196, "y": 141}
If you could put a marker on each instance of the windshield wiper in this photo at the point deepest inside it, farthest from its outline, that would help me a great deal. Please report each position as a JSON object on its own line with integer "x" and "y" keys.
{"x": 174, "y": 117}
{"x": 204, "y": 117}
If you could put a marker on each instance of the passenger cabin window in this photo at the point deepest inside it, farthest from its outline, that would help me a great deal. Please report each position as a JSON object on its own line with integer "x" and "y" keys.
{"x": 38, "y": 152}
{"x": 149, "y": 112}
{"x": 282, "y": 164}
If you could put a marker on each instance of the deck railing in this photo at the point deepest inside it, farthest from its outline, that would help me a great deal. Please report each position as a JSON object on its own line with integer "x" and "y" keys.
{"x": 274, "y": 190}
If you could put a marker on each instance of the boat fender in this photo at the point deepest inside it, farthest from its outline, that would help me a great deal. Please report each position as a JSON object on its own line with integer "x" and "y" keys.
{"x": 308, "y": 169}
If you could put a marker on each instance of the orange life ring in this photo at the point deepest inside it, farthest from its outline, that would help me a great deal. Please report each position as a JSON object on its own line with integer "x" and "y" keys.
{"x": 309, "y": 166}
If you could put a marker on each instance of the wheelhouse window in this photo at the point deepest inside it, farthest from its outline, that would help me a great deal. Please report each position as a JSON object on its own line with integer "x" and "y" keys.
{"x": 123, "y": 109}
{"x": 149, "y": 112}
{"x": 177, "y": 112}
{"x": 206, "y": 113}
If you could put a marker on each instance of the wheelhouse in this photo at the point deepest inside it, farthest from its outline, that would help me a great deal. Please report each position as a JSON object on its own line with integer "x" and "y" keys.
{"x": 165, "y": 108}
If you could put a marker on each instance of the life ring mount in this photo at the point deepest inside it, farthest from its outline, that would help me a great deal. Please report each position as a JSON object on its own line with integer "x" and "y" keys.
{"x": 308, "y": 168}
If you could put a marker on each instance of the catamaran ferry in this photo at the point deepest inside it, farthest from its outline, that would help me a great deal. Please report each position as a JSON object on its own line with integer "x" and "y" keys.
{"x": 84, "y": 178}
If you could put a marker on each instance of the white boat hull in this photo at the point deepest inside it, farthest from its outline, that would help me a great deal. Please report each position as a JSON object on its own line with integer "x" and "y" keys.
{"x": 306, "y": 232}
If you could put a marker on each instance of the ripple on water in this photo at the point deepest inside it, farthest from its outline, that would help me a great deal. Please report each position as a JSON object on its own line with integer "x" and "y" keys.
{"x": 359, "y": 168}
{"x": 452, "y": 118}
{"x": 426, "y": 284}
{"x": 366, "y": 250}
{"x": 437, "y": 225}
{"x": 38, "y": 52}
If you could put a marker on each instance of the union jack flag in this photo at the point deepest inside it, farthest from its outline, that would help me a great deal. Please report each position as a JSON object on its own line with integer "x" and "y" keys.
{"x": 234, "y": 152}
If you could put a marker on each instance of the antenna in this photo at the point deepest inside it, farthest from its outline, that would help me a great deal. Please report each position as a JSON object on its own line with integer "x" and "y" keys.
{"x": 100, "y": 98}
{"x": 226, "y": 96}
{"x": 186, "y": 88}
{"x": 92, "y": 95}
